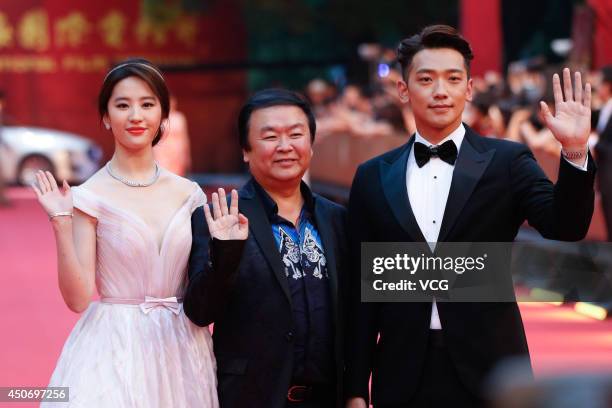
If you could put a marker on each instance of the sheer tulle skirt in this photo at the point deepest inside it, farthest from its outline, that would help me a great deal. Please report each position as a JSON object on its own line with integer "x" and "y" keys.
{"x": 117, "y": 356}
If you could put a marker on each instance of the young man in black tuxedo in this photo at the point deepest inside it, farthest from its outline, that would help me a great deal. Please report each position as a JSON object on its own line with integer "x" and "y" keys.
{"x": 270, "y": 278}
{"x": 449, "y": 184}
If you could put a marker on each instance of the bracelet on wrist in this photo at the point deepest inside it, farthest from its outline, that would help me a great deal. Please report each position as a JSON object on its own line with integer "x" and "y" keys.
{"x": 574, "y": 154}
{"x": 60, "y": 214}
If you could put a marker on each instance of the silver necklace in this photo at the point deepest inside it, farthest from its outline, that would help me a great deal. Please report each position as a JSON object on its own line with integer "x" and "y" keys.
{"x": 131, "y": 183}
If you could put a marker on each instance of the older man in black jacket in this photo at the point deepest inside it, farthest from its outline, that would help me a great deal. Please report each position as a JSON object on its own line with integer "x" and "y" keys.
{"x": 270, "y": 277}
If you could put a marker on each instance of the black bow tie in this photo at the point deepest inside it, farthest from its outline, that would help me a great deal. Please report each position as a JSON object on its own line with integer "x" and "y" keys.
{"x": 447, "y": 151}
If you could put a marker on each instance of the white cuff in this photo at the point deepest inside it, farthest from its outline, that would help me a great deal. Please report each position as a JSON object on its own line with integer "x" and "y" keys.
{"x": 583, "y": 167}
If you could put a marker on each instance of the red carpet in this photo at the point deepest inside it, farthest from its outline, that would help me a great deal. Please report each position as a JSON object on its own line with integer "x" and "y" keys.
{"x": 562, "y": 341}
{"x": 35, "y": 322}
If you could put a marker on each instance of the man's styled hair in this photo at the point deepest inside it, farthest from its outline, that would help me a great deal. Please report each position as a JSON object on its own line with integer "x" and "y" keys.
{"x": 434, "y": 36}
{"x": 268, "y": 98}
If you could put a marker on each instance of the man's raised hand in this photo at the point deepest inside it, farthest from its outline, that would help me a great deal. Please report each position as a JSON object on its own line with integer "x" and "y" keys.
{"x": 571, "y": 123}
{"x": 224, "y": 223}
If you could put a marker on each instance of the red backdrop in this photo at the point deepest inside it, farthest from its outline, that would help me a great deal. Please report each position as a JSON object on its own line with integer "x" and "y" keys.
{"x": 54, "y": 54}
{"x": 602, "y": 50}
{"x": 481, "y": 26}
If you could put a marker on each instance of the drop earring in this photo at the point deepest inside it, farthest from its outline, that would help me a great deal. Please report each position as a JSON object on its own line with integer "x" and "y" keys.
{"x": 107, "y": 126}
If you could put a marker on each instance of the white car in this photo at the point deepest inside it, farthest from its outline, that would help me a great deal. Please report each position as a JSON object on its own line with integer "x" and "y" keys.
{"x": 24, "y": 150}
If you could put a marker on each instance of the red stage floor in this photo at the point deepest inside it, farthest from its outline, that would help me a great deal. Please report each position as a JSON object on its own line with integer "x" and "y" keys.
{"x": 35, "y": 322}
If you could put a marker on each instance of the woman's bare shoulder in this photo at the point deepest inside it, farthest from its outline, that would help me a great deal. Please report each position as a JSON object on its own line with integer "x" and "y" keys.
{"x": 177, "y": 184}
{"x": 98, "y": 182}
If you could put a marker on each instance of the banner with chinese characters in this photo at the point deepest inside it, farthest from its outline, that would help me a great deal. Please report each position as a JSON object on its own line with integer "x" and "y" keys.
{"x": 54, "y": 54}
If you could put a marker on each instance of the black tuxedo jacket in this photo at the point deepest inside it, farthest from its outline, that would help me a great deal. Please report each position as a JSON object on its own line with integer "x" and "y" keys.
{"x": 242, "y": 288}
{"x": 496, "y": 185}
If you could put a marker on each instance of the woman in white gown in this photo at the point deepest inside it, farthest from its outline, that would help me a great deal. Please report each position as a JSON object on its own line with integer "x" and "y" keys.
{"x": 127, "y": 233}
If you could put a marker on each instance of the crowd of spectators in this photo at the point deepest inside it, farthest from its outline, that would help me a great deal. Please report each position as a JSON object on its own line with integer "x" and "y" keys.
{"x": 505, "y": 107}
{"x": 501, "y": 107}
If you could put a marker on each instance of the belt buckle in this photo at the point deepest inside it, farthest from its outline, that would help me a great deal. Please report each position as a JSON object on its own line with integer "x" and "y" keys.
{"x": 293, "y": 395}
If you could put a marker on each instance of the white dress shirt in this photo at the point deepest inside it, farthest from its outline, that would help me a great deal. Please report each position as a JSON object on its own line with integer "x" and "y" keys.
{"x": 428, "y": 189}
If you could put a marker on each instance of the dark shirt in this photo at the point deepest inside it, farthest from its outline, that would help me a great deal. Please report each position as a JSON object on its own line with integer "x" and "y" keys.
{"x": 303, "y": 255}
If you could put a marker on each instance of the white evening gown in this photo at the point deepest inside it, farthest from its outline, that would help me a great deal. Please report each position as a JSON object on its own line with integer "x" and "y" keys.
{"x": 135, "y": 347}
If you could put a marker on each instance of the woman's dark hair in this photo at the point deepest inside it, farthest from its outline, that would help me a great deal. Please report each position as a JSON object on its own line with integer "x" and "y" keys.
{"x": 434, "y": 36}
{"x": 265, "y": 99}
{"x": 143, "y": 69}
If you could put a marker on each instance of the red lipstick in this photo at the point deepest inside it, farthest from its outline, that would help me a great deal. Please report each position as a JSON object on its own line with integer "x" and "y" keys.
{"x": 136, "y": 130}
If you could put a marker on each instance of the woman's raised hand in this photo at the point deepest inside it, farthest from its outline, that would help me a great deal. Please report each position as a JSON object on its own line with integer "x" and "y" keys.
{"x": 226, "y": 223}
{"x": 51, "y": 197}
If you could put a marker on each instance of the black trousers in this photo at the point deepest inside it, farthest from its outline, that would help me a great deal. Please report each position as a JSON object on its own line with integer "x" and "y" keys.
{"x": 440, "y": 385}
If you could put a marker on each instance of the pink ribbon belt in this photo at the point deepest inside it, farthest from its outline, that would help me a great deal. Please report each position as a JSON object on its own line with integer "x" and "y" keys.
{"x": 150, "y": 303}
